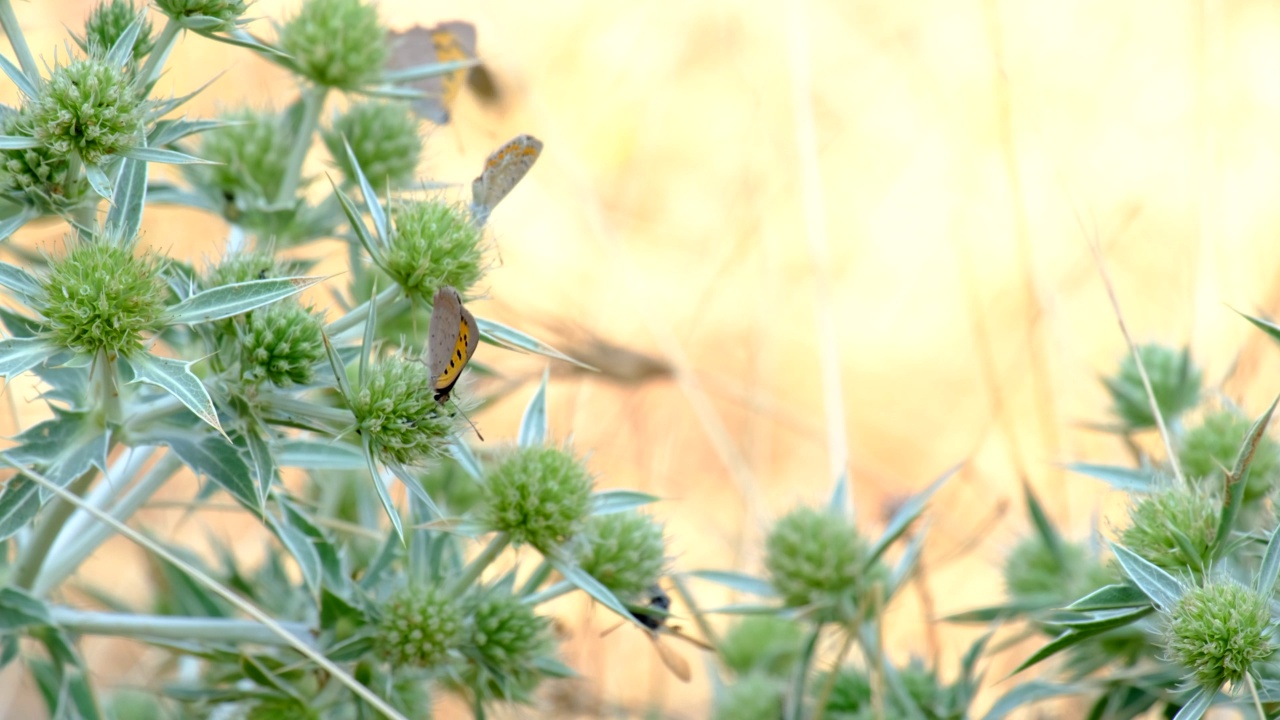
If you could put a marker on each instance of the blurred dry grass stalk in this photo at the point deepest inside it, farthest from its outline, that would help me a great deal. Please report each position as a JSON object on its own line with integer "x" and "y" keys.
{"x": 953, "y": 140}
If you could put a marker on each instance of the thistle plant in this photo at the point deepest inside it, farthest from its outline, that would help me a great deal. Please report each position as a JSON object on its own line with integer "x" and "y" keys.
{"x": 366, "y": 603}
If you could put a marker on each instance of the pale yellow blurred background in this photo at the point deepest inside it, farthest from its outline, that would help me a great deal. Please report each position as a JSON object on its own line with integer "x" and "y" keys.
{"x": 965, "y": 154}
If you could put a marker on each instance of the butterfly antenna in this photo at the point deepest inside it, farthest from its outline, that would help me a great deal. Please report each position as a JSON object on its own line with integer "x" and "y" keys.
{"x": 473, "y": 425}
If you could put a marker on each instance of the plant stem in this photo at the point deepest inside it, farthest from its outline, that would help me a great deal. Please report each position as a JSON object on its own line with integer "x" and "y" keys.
{"x": 829, "y": 682}
{"x": 312, "y": 102}
{"x": 1253, "y": 690}
{"x": 118, "y": 476}
{"x": 795, "y": 695}
{"x": 82, "y": 544}
{"x": 55, "y": 515}
{"x": 159, "y": 53}
{"x": 477, "y": 565}
{"x": 358, "y": 314}
{"x": 12, "y": 30}
{"x": 108, "y": 391}
{"x": 564, "y": 587}
{"x": 168, "y": 627}
{"x": 536, "y": 578}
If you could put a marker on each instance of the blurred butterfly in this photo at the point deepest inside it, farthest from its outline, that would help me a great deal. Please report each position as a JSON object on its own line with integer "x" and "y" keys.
{"x": 451, "y": 341}
{"x": 447, "y": 42}
{"x": 654, "y": 615}
{"x": 505, "y": 167}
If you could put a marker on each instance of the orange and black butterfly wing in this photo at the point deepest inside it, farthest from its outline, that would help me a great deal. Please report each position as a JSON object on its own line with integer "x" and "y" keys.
{"x": 442, "y": 337}
{"x": 453, "y": 41}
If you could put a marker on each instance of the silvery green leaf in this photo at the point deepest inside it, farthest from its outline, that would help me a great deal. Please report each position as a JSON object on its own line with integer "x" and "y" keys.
{"x": 175, "y": 376}
{"x": 121, "y": 51}
{"x": 171, "y": 130}
{"x": 64, "y": 447}
{"x": 18, "y": 355}
{"x": 1027, "y": 693}
{"x": 18, "y": 142}
{"x": 1163, "y": 589}
{"x": 218, "y": 460}
{"x": 1197, "y": 705}
{"x": 160, "y": 155}
{"x": 125, "y": 215}
{"x": 26, "y": 85}
{"x": 533, "y": 426}
{"x": 839, "y": 503}
{"x": 319, "y": 455}
{"x": 608, "y": 502}
{"x": 228, "y": 300}
{"x": 461, "y": 452}
{"x": 583, "y": 580}
{"x": 421, "y": 72}
{"x": 1111, "y": 597}
{"x": 376, "y": 212}
{"x": 906, "y": 514}
{"x": 1050, "y": 538}
{"x": 19, "y": 503}
{"x": 1265, "y": 582}
{"x": 12, "y": 223}
{"x": 339, "y": 371}
{"x": 741, "y": 582}
{"x": 19, "y": 609}
{"x": 381, "y": 487}
{"x": 1120, "y": 478}
{"x": 356, "y": 222}
{"x": 99, "y": 181}
{"x": 495, "y": 333}
{"x": 303, "y": 552}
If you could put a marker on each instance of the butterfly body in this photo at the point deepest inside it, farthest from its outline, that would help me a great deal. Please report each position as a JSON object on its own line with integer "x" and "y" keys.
{"x": 451, "y": 341}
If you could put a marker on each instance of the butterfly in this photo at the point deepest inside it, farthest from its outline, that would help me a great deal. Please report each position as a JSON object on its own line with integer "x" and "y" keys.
{"x": 447, "y": 42}
{"x": 505, "y": 167}
{"x": 654, "y": 616}
{"x": 451, "y": 341}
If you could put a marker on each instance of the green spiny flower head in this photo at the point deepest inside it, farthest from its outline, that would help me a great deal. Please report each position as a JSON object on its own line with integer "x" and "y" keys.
{"x": 624, "y": 551}
{"x": 281, "y": 344}
{"x": 100, "y": 296}
{"x": 850, "y": 693}
{"x": 337, "y": 43}
{"x": 108, "y": 21}
{"x": 420, "y": 627}
{"x": 1218, "y": 632}
{"x": 90, "y": 108}
{"x": 1034, "y": 570}
{"x": 1175, "y": 381}
{"x": 383, "y": 137}
{"x": 763, "y": 643}
{"x": 539, "y": 496}
{"x": 1174, "y": 527}
{"x": 504, "y": 640}
{"x": 395, "y": 407}
{"x": 434, "y": 243}
{"x": 36, "y": 176}
{"x": 246, "y": 267}
{"x": 1212, "y": 445}
{"x": 221, "y": 14}
{"x": 755, "y": 697}
{"x": 817, "y": 560}
{"x": 253, "y": 154}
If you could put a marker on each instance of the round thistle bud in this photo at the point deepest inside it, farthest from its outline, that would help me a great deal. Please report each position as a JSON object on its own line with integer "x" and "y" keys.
{"x": 762, "y": 643}
{"x": 817, "y": 560}
{"x": 1213, "y": 445}
{"x": 420, "y": 627}
{"x": 1034, "y": 571}
{"x": 90, "y": 108}
{"x": 336, "y": 43}
{"x": 281, "y": 344}
{"x": 539, "y": 496}
{"x": 252, "y": 152}
{"x": 504, "y": 640}
{"x": 247, "y": 266}
{"x": 1175, "y": 381}
{"x": 383, "y": 137}
{"x": 755, "y": 697}
{"x": 395, "y": 407}
{"x": 281, "y": 709}
{"x": 108, "y": 21}
{"x": 205, "y": 15}
{"x": 100, "y": 296}
{"x": 1173, "y": 528}
{"x": 35, "y": 176}
{"x": 624, "y": 551}
{"x": 1218, "y": 632}
{"x": 850, "y": 693}
{"x": 433, "y": 244}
